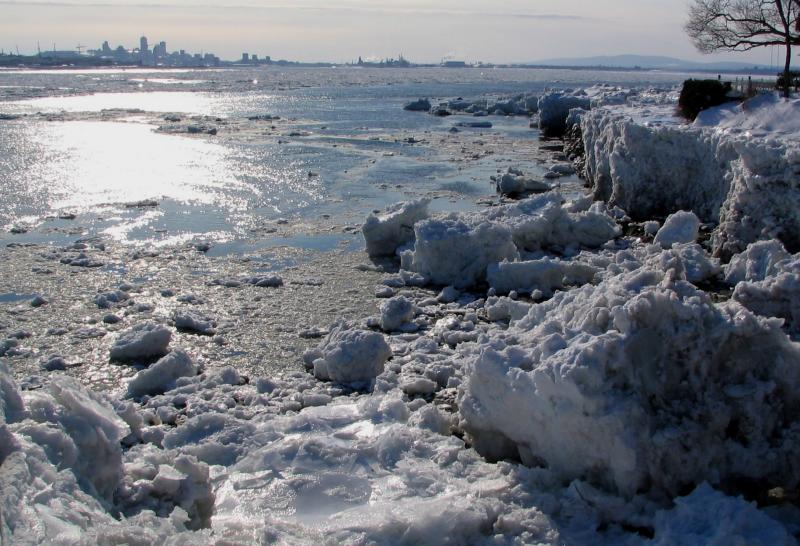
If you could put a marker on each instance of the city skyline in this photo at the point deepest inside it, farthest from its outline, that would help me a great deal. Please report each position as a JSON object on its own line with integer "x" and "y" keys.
{"x": 313, "y": 30}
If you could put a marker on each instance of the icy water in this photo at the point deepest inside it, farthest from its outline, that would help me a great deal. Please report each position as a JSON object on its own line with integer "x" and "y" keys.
{"x": 87, "y": 144}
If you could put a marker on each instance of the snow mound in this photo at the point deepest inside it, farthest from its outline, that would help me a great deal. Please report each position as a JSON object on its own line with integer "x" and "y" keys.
{"x": 707, "y": 516}
{"x": 639, "y": 384}
{"x": 349, "y": 356}
{"x": 161, "y": 376}
{"x": 544, "y": 222}
{"x": 764, "y": 115}
{"x": 385, "y": 232}
{"x": 142, "y": 341}
{"x": 457, "y": 249}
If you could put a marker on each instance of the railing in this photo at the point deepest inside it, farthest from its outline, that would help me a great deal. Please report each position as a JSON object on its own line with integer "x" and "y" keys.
{"x": 750, "y": 87}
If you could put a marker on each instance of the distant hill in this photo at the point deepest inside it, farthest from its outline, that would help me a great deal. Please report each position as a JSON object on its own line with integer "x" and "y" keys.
{"x": 646, "y": 61}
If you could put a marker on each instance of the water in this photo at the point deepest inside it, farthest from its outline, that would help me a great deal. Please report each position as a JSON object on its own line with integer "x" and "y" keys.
{"x": 87, "y": 144}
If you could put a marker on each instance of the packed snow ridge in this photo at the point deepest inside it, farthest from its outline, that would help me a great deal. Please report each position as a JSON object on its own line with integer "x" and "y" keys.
{"x": 737, "y": 167}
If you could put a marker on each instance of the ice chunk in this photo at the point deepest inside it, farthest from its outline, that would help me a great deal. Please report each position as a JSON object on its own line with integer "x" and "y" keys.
{"x": 193, "y": 321}
{"x": 395, "y": 312}
{"x": 554, "y": 109}
{"x": 457, "y": 250}
{"x": 514, "y": 182}
{"x": 142, "y": 341}
{"x": 349, "y": 355}
{"x": 545, "y": 275}
{"x": 419, "y": 105}
{"x": 698, "y": 265}
{"x": 11, "y": 406}
{"x": 775, "y": 296}
{"x": 543, "y": 222}
{"x": 448, "y": 295}
{"x": 80, "y": 430}
{"x": 385, "y": 232}
{"x": 161, "y": 376}
{"x": 106, "y": 299}
{"x": 757, "y": 262}
{"x": 269, "y": 281}
{"x": 679, "y": 227}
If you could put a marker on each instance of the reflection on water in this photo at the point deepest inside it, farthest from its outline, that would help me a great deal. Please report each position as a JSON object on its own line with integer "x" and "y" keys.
{"x": 173, "y": 101}
{"x": 94, "y": 163}
{"x": 142, "y": 181}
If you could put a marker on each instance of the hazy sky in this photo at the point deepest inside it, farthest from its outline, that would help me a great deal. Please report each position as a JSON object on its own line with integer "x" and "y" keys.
{"x": 422, "y": 30}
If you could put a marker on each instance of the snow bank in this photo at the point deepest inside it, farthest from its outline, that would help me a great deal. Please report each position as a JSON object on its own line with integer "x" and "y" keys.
{"x": 748, "y": 187}
{"x": 639, "y": 384}
{"x": 348, "y": 355}
{"x": 385, "y": 232}
{"x": 765, "y": 115}
{"x": 654, "y": 171}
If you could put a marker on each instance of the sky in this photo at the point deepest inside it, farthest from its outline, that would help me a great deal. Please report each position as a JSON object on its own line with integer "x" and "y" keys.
{"x": 341, "y": 31}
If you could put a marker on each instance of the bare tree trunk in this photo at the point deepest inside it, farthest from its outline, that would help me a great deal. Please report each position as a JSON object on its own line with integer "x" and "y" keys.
{"x": 785, "y": 16}
{"x": 787, "y": 72}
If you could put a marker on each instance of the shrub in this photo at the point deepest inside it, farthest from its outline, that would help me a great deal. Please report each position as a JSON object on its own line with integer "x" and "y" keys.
{"x": 698, "y": 95}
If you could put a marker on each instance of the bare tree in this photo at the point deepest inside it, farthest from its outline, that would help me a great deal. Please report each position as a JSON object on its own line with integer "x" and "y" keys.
{"x": 742, "y": 25}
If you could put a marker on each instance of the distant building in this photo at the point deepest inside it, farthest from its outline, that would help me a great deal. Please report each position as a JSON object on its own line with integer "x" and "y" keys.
{"x": 157, "y": 56}
{"x": 245, "y": 57}
{"x": 454, "y": 64}
{"x": 60, "y": 54}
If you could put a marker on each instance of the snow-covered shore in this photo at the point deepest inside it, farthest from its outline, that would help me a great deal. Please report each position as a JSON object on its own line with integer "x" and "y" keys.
{"x": 546, "y": 371}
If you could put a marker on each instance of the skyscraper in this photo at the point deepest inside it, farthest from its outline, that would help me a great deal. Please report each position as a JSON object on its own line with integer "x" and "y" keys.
{"x": 143, "y": 45}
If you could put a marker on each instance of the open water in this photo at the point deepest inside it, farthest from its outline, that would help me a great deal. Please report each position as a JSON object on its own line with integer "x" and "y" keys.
{"x": 87, "y": 144}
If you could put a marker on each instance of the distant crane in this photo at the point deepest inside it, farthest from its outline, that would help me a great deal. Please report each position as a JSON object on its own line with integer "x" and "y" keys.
{"x": 80, "y": 48}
